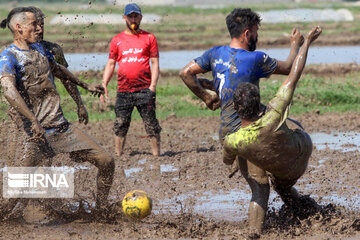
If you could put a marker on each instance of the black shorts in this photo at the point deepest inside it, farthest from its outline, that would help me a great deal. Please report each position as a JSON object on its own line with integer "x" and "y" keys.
{"x": 144, "y": 101}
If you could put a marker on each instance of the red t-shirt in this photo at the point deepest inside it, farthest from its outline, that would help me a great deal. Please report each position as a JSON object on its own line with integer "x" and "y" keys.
{"x": 132, "y": 53}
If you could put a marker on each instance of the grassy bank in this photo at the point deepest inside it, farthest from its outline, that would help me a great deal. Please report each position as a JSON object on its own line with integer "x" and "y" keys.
{"x": 313, "y": 94}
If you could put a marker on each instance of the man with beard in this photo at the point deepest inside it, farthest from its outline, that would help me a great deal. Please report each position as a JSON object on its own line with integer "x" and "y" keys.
{"x": 266, "y": 141}
{"x": 234, "y": 64}
{"x": 230, "y": 65}
{"x": 133, "y": 50}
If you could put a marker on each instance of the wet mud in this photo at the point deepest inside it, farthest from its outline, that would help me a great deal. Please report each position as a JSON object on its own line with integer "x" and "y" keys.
{"x": 193, "y": 198}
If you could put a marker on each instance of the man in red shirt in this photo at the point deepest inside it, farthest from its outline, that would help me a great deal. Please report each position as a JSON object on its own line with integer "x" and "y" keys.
{"x": 132, "y": 49}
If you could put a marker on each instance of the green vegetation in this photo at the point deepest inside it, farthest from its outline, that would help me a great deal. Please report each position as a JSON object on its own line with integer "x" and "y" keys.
{"x": 181, "y": 27}
{"x": 324, "y": 94}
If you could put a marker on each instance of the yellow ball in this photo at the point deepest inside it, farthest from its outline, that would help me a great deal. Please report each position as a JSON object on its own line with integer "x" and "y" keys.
{"x": 137, "y": 204}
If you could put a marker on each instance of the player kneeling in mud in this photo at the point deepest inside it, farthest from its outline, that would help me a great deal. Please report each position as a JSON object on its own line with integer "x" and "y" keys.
{"x": 268, "y": 145}
{"x": 26, "y": 70}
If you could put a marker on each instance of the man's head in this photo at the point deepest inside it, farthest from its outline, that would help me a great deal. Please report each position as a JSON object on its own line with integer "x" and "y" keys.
{"x": 247, "y": 101}
{"x": 242, "y": 22}
{"x": 132, "y": 15}
{"x": 40, "y": 17}
{"x": 23, "y": 24}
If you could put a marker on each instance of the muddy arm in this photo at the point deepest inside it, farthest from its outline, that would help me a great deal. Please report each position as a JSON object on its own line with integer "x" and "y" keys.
{"x": 296, "y": 40}
{"x": 299, "y": 63}
{"x": 75, "y": 95}
{"x": 206, "y": 83}
{"x": 64, "y": 74}
{"x": 228, "y": 154}
{"x": 17, "y": 102}
{"x": 188, "y": 75}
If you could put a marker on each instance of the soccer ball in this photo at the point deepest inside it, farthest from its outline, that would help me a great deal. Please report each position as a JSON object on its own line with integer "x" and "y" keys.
{"x": 137, "y": 204}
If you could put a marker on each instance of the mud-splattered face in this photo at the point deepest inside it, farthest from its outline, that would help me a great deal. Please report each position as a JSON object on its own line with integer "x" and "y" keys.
{"x": 40, "y": 22}
{"x": 133, "y": 18}
{"x": 31, "y": 29}
{"x": 253, "y": 38}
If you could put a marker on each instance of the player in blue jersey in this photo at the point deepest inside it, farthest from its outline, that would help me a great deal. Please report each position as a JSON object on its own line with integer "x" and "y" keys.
{"x": 26, "y": 70}
{"x": 235, "y": 63}
{"x": 231, "y": 65}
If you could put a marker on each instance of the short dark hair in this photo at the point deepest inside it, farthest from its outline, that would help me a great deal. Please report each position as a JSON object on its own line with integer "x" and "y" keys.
{"x": 39, "y": 15}
{"x": 247, "y": 100}
{"x": 241, "y": 19}
{"x": 5, "y": 23}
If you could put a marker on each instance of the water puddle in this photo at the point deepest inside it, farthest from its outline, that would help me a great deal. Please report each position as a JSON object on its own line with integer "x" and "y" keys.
{"x": 164, "y": 168}
{"x": 142, "y": 161}
{"x": 168, "y": 168}
{"x": 344, "y": 141}
{"x": 129, "y": 172}
{"x": 233, "y": 205}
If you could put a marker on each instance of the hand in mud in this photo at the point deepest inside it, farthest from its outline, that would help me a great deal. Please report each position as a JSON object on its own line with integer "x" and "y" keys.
{"x": 314, "y": 34}
{"x": 212, "y": 100}
{"x": 296, "y": 37}
{"x": 37, "y": 130}
{"x": 83, "y": 115}
{"x": 95, "y": 89}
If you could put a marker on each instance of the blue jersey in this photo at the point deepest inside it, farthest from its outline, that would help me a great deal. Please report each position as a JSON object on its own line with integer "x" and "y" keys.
{"x": 230, "y": 67}
{"x": 34, "y": 82}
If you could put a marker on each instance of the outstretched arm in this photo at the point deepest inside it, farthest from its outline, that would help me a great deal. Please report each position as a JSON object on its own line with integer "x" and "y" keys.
{"x": 299, "y": 63}
{"x": 188, "y": 75}
{"x": 296, "y": 40}
{"x": 64, "y": 74}
{"x": 75, "y": 95}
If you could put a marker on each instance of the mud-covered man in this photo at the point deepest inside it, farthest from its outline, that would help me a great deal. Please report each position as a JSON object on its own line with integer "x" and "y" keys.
{"x": 70, "y": 87}
{"x": 267, "y": 143}
{"x": 235, "y": 63}
{"x": 133, "y": 49}
{"x": 59, "y": 57}
{"x": 25, "y": 74}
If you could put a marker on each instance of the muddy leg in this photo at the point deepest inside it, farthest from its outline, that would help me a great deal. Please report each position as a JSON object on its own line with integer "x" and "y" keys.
{"x": 97, "y": 156}
{"x": 148, "y": 114}
{"x": 287, "y": 192}
{"x": 119, "y": 145}
{"x": 155, "y": 145}
{"x": 37, "y": 152}
{"x": 260, "y": 188}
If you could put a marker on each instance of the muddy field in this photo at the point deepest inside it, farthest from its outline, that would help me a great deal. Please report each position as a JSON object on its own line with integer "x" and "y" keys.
{"x": 193, "y": 198}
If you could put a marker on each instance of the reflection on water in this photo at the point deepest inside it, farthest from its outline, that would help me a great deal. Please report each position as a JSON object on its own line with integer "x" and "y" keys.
{"x": 174, "y": 60}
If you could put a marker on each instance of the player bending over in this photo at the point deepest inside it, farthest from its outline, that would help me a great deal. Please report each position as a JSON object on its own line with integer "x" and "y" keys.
{"x": 268, "y": 145}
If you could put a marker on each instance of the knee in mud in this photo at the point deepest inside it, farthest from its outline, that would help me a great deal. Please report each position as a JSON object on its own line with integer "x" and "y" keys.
{"x": 259, "y": 178}
{"x": 121, "y": 126}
